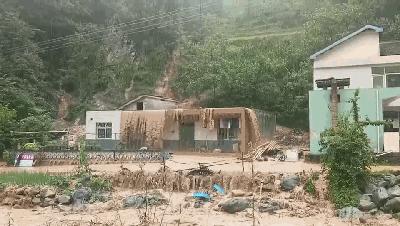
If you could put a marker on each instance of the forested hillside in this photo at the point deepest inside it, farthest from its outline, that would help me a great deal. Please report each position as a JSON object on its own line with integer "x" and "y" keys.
{"x": 100, "y": 53}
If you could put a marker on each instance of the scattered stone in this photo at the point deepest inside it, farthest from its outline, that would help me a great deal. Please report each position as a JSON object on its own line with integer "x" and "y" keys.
{"x": 81, "y": 195}
{"x": 49, "y": 193}
{"x": 270, "y": 207}
{"x": 363, "y": 219}
{"x": 140, "y": 200}
{"x": 32, "y": 191}
{"x": 290, "y": 182}
{"x": 238, "y": 193}
{"x": 64, "y": 199}
{"x": 36, "y": 201}
{"x": 234, "y": 205}
{"x": 393, "y": 205}
{"x": 383, "y": 183}
{"x": 20, "y": 191}
{"x": 391, "y": 179}
{"x": 8, "y": 201}
{"x": 186, "y": 205}
{"x": 365, "y": 203}
{"x": 17, "y": 206}
{"x": 370, "y": 188}
{"x": 269, "y": 187}
{"x": 348, "y": 213}
{"x": 373, "y": 211}
{"x": 198, "y": 204}
{"x": 64, "y": 208}
{"x": 394, "y": 191}
{"x": 396, "y": 216}
{"x": 380, "y": 196}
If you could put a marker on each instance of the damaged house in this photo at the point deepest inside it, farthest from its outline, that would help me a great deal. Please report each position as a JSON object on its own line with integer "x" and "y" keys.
{"x": 226, "y": 130}
{"x": 357, "y": 61}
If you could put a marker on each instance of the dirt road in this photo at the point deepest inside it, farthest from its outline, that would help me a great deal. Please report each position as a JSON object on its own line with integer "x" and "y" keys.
{"x": 227, "y": 164}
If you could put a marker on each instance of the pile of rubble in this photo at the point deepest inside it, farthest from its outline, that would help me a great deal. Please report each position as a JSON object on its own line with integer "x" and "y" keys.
{"x": 287, "y": 138}
{"x": 382, "y": 196}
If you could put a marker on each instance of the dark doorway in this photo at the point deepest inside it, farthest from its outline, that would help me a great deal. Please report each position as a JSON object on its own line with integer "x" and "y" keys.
{"x": 139, "y": 106}
{"x": 186, "y": 132}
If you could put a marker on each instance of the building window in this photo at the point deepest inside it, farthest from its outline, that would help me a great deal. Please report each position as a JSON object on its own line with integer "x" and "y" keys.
{"x": 104, "y": 130}
{"x": 139, "y": 106}
{"x": 229, "y": 129}
{"x": 386, "y": 76}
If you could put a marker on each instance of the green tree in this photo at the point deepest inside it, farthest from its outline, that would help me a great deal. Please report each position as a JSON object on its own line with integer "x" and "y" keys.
{"x": 7, "y": 124}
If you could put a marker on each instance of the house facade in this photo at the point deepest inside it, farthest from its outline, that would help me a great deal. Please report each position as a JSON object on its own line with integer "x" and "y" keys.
{"x": 228, "y": 129}
{"x": 359, "y": 58}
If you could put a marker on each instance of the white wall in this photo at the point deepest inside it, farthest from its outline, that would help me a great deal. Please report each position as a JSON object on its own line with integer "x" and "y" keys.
{"x": 361, "y": 49}
{"x": 92, "y": 117}
{"x": 353, "y": 59}
{"x": 151, "y": 104}
{"x": 360, "y": 76}
{"x": 201, "y": 133}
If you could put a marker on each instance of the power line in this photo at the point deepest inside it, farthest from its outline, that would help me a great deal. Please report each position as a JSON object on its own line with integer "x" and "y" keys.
{"x": 131, "y": 31}
{"x": 121, "y": 25}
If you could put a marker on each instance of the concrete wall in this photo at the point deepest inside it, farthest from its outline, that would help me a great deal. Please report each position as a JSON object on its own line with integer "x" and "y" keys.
{"x": 93, "y": 117}
{"x": 360, "y": 76}
{"x": 172, "y": 132}
{"x": 370, "y": 104}
{"x": 201, "y": 133}
{"x": 151, "y": 104}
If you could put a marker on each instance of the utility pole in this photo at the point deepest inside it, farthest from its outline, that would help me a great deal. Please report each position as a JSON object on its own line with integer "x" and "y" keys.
{"x": 201, "y": 17}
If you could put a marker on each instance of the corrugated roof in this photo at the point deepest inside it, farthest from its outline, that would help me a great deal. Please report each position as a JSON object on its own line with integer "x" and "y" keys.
{"x": 365, "y": 28}
{"x": 147, "y": 96}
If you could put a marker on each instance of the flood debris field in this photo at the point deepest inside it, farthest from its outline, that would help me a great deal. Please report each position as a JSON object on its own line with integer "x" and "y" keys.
{"x": 166, "y": 196}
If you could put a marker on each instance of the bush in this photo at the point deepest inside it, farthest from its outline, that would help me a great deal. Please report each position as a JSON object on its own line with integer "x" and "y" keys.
{"x": 310, "y": 186}
{"x": 347, "y": 157}
{"x": 9, "y": 157}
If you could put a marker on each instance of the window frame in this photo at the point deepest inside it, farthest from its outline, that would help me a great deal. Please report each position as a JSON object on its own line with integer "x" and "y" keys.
{"x": 105, "y": 127}
{"x": 384, "y": 75}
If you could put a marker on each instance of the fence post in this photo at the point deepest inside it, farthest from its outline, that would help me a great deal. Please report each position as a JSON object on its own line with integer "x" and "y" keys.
{"x": 115, "y": 146}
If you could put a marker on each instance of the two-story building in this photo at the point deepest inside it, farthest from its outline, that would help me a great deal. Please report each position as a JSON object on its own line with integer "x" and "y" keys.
{"x": 360, "y": 58}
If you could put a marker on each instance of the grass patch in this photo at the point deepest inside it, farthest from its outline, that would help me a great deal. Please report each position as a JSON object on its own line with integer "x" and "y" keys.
{"x": 31, "y": 179}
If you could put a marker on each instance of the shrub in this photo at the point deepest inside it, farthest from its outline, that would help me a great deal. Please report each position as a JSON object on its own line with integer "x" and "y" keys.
{"x": 310, "y": 186}
{"x": 347, "y": 157}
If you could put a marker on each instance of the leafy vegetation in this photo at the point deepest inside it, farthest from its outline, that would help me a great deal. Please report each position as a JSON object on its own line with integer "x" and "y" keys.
{"x": 347, "y": 157}
{"x": 31, "y": 179}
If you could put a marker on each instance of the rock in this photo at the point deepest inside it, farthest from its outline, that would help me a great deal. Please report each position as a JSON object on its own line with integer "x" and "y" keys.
{"x": 63, "y": 208}
{"x": 349, "y": 213}
{"x": 373, "y": 211}
{"x": 20, "y": 191}
{"x": 64, "y": 199}
{"x": 49, "y": 193}
{"x": 391, "y": 179}
{"x": 396, "y": 216}
{"x": 186, "y": 205}
{"x": 380, "y": 196}
{"x": 394, "y": 191}
{"x": 234, "y": 205}
{"x": 82, "y": 195}
{"x": 370, "y": 188}
{"x": 398, "y": 179}
{"x": 290, "y": 182}
{"x": 8, "y": 201}
{"x": 238, "y": 193}
{"x": 36, "y": 201}
{"x": 269, "y": 187}
{"x": 32, "y": 191}
{"x": 140, "y": 200}
{"x": 49, "y": 201}
{"x": 393, "y": 205}
{"x": 17, "y": 206}
{"x": 366, "y": 205}
{"x": 270, "y": 207}
{"x": 198, "y": 204}
{"x": 363, "y": 219}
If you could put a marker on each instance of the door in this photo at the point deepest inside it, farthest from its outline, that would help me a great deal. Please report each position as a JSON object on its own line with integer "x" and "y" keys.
{"x": 186, "y": 133}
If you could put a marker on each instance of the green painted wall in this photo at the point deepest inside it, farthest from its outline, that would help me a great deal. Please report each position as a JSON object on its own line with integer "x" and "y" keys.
{"x": 370, "y": 106}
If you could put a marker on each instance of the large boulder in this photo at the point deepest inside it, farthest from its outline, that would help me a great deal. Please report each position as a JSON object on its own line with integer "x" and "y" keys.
{"x": 365, "y": 203}
{"x": 234, "y": 205}
{"x": 290, "y": 182}
{"x": 393, "y": 205}
{"x": 370, "y": 188}
{"x": 380, "y": 196}
{"x": 391, "y": 179}
{"x": 394, "y": 191}
{"x": 349, "y": 213}
{"x": 48, "y": 193}
{"x": 64, "y": 199}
